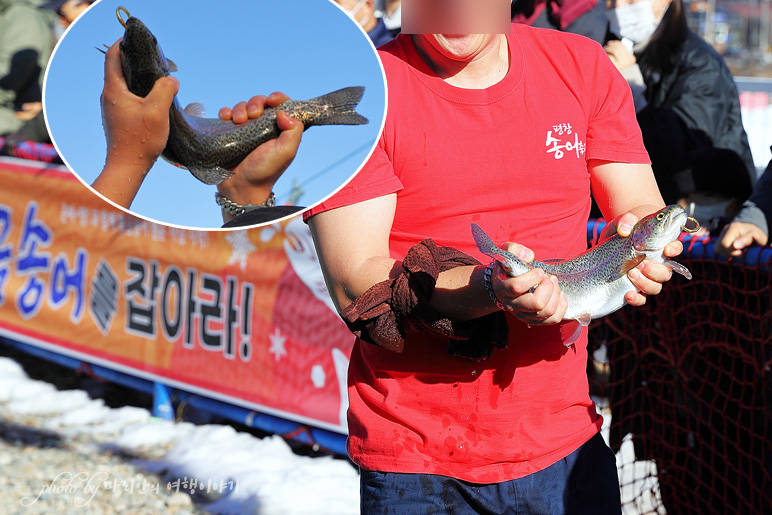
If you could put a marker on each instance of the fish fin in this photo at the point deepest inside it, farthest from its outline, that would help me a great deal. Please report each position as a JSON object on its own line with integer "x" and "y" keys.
{"x": 195, "y": 109}
{"x": 575, "y": 335}
{"x": 584, "y": 319}
{"x": 167, "y": 156}
{"x": 678, "y": 268}
{"x": 172, "y": 65}
{"x": 343, "y": 103}
{"x": 213, "y": 175}
{"x": 630, "y": 264}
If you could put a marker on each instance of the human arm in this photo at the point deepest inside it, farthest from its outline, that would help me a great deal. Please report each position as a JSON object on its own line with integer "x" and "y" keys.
{"x": 136, "y": 130}
{"x": 353, "y": 247}
{"x": 255, "y": 176}
{"x": 625, "y": 193}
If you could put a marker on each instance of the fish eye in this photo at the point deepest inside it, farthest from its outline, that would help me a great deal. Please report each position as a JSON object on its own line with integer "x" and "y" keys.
{"x": 660, "y": 216}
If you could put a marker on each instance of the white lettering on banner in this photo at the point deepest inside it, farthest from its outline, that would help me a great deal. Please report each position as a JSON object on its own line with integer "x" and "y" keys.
{"x": 109, "y": 220}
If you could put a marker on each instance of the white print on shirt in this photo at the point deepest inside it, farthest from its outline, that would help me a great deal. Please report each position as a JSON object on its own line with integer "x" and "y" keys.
{"x": 558, "y": 145}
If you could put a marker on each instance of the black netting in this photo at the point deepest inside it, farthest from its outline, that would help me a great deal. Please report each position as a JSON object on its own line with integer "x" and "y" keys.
{"x": 688, "y": 380}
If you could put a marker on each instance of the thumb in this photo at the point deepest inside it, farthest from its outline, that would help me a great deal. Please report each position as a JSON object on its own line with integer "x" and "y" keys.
{"x": 521, "y": 251}
{"x": 291, "y": 131}
{"x": 164, "y": 90}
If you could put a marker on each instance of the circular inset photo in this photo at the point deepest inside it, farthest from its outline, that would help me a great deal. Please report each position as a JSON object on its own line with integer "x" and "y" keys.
{"x": 271, "y": 107}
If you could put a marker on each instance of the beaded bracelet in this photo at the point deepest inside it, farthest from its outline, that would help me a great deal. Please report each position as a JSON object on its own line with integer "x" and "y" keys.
{"x": 489, "y": 285}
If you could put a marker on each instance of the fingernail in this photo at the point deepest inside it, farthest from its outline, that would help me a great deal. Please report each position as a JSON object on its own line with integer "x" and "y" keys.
{"x": 625, "y": 227}
{"x": 641, "y": 266}
{"x": 253, "y": 110}
{"x": 634, "y": 274}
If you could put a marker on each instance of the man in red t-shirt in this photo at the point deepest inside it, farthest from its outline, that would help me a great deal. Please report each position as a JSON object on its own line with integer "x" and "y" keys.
{"x": 512, "y": 132}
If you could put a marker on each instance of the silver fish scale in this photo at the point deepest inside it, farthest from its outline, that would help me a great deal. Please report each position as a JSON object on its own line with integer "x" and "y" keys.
{"x": 595, "y": 282}
{"x": 208, "y": 146}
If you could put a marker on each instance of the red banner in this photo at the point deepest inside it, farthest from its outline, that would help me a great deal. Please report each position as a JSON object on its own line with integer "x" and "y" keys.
{"x": 241, "y": 316}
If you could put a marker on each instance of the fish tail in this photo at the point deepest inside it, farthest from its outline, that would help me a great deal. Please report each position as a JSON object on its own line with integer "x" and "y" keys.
{"x": 511, "y": 263}
{"x": 343, "y": 103}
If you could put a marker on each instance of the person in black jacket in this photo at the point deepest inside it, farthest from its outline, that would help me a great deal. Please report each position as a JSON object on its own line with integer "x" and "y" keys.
{"x": 688, "y": 107}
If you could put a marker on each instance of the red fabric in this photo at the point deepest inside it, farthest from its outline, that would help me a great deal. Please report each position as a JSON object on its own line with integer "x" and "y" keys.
{"x": 456, "y": 156}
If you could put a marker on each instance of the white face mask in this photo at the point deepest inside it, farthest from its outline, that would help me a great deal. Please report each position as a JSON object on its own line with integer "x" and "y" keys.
{"x": 634, "y": 22}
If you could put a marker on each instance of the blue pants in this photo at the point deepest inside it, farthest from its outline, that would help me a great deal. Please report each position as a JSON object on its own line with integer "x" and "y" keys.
{"x": 585, "y": 481}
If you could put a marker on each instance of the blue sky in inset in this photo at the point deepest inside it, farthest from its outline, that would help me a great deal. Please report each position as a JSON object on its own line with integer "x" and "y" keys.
{"x": 226, "y": 52}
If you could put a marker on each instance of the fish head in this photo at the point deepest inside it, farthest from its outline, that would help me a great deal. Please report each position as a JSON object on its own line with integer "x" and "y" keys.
{"x": 655, "y": 231}
{"x": 142, "y": 59}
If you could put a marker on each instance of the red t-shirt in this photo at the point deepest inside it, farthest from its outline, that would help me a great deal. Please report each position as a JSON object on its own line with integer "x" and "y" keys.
{"x": 513, "y": 159}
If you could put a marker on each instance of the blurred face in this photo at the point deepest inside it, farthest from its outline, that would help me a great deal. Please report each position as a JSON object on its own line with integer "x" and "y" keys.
{"x": 456, "y": 16}
{"x": 460, "y": 47}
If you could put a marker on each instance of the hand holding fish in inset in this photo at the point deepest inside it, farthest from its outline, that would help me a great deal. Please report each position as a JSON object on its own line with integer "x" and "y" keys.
{"x": 136, "y": 130}
{"x": 255, "y": 176}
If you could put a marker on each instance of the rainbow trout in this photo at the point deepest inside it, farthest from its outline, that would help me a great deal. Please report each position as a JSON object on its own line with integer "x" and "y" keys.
{"x": 208, "y": 146}
{"x": 595, "y": 282}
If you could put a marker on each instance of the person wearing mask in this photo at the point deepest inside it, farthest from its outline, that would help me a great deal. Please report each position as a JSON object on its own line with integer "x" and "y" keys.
{"x": 688, "y": 107}
{"x": 363, "y": 12}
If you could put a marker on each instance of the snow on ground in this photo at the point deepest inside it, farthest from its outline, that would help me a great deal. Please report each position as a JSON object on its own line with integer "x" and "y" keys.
{"x": 256, "y": 475}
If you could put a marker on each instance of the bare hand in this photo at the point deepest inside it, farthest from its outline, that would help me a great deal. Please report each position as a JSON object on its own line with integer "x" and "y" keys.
{"x": 255, "y": 176}
{"x": 647, "y": 276}
{"x": 29, "y": 110}
{"x": 136, "y": 128}
{"x": 619, "y": 54}
{"x": 533, "y": 297}
{"x": 739, "y": 235}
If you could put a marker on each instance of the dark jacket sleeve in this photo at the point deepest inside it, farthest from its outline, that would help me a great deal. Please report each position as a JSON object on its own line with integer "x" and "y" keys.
{"x": 758, "y": 208}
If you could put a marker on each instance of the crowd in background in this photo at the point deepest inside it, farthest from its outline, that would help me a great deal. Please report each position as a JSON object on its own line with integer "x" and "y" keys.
{"x": 29, "y": 30}
{"x": 685, "y": 97}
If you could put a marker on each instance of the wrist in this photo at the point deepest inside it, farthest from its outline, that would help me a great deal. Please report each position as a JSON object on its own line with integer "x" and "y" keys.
{"x": 243, "y": 193}
{"x": 132, "y": 165}
{"x": 488, "y": 284}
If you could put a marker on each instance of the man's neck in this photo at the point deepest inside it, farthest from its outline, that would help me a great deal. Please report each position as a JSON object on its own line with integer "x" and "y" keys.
{"x": 483, "y": 70}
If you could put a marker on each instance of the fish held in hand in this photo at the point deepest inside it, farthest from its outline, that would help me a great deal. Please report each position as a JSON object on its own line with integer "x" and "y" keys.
{"x": 207, "y": 147}
{"x": 595, "y": 282}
